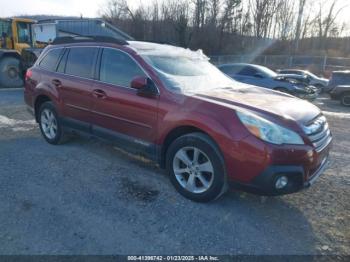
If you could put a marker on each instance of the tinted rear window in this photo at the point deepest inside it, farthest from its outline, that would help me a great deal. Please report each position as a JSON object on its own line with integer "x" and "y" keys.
{"x": 80, "y": 61}
{"x": 49, "y": 62}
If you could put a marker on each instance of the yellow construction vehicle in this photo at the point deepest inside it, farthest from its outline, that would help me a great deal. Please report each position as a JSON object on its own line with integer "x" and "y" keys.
{"x": 15, "y": 36}
{"x": 22, "y": 40}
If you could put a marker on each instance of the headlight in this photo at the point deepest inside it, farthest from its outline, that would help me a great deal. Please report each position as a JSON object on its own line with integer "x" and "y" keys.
{"x": 268, "y": 131}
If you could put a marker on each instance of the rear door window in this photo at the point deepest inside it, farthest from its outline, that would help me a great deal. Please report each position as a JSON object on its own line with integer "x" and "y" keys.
{"x": 81, "y": 61}
{"x": 118, "y": 68}
{"x": 49, "y": 62}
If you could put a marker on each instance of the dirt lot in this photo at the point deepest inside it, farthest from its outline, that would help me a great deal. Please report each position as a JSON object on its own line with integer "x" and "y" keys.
{"x": 86, "y": 197}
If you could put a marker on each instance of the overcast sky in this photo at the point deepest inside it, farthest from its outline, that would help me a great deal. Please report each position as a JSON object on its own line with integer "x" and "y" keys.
{"x": 88, "y": 8}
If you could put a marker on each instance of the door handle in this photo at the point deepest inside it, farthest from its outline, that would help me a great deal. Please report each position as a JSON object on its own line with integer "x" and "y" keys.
{"x": 98, "y": 93}
{"x": 56, "y": 82}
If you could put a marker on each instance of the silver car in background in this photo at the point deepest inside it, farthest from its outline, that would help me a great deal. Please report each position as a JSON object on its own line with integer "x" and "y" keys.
{"x": 264, "y": 77}
{"x": 314, "y": 80}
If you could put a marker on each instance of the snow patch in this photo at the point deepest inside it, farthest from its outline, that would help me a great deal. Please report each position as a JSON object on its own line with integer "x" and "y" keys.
{"x": 146, "y": 48}
{"x": 9, "y": 122}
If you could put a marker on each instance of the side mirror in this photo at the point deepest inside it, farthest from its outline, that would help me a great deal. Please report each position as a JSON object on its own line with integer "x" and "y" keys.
{"x": 144, "y": 86}
{"x": 139, "y": 82}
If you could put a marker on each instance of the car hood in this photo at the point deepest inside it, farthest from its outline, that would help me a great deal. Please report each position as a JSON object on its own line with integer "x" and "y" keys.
{"x": 263, "y": 100}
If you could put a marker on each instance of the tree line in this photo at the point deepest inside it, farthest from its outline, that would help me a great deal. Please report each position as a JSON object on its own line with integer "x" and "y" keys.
{"x": 236, "y": 26}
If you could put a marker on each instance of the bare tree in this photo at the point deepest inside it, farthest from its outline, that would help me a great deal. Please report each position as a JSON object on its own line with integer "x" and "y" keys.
{"x": 306, "y": 26}
{"x": 181, "y": 23}
{"x": 299, "y": 23}
{"x": 227, "y": 18}
{"x": 214, "y": 10}
{"x": 284, "y": 18}
{"x": 232, "y": 26}
{"x": 201, "y": 7}
{"x": 326, "y": 23}
{"x": 117, "y": 9}
{"x": 263, "y": 13}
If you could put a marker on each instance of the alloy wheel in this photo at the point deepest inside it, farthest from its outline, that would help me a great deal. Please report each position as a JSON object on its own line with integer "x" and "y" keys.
{"x": 193, "y": 169}
{"x": 48, "y": 123}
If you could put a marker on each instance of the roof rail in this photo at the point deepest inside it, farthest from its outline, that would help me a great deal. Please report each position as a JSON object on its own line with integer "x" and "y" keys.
{"x": 80, "y": 39}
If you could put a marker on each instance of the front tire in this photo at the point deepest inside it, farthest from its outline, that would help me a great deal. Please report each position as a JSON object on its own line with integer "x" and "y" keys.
{"x": 196, "y": 167}
{"x": 50, "y": 126}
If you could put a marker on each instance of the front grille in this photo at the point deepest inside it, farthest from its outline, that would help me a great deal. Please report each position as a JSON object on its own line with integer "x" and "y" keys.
{"x": 319, "y": 133}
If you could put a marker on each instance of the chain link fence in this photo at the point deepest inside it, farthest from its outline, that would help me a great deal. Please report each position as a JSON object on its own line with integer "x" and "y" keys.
{"x": 316, "y": 64}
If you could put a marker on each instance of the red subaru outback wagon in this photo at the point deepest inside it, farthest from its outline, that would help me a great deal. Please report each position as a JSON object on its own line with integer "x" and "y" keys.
{"x": 173, "y": 106}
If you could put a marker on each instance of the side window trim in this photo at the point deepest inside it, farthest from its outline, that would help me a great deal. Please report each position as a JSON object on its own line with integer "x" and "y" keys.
{"x": 97, "y": 64}
{"x": 64, "y": 55}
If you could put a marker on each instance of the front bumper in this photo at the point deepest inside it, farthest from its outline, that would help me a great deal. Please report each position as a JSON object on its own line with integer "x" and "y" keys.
{"x": 324, "y": 165}
{"x": 264, "y": 184}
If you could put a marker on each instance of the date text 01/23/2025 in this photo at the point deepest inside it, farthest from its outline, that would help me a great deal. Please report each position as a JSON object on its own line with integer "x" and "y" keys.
{"x": 173, "y": 258}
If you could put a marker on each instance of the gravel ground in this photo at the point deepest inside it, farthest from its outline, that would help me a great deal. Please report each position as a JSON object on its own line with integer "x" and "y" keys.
{"x": 86, "y": 197}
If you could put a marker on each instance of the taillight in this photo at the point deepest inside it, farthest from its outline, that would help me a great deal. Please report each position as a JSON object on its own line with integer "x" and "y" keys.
{"x": 29, "y": 74}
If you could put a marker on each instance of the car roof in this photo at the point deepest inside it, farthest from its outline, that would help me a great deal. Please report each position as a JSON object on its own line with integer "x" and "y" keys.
{"x": 85, "y": 43}
{"x": 140, "y": 47}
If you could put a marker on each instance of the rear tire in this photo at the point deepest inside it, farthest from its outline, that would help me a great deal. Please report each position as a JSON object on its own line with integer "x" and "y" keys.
{"x": 345, "y": 99}
{"x": 50, "y": 125}
{"x": 10, "y": 72}
{"x": 196, "y": 167}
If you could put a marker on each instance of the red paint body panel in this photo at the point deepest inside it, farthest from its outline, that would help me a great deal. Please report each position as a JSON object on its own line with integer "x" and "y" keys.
{"x": 125, "y": 112}
{"x": 152, "y": 119}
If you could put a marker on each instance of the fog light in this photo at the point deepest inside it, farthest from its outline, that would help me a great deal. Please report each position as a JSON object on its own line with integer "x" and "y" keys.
{"x": 281, "y": 182}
